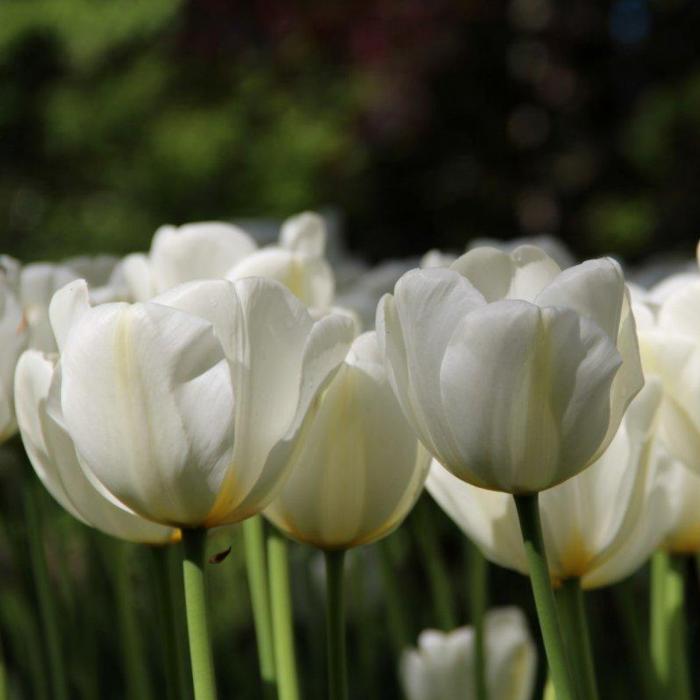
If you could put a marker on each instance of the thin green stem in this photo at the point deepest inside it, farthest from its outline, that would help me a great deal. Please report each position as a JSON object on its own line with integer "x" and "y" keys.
{"x": 531, "y": 527}
{"x": 438, "y": 580}
{"x": 335, "y": 626}
{"x": 256, "y": 565}
{"x": 137, "y": 682}
{"x": 478, "y": 580}
{"x": 47, "y": 602}
{"x": 399, "y": 628}
{"x": 577, "y": 637}
{"x": 668, "y": 626}
{"x": 168, "y": 588}
{"x": 194, "y": 542}
{"x": 282, "y": 622}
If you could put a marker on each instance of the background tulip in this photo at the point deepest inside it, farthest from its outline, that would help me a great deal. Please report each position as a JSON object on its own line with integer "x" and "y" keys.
{"x": 358, "y": 468}
{"x": 52, "y": 454}
{"x": 442, "y": 667}
{"x": 297, "y": 262}
{"x": 515, "y": 375}
{"x": 185, "y": 409}
{"x": 13, "y": 339}
{"x": 599, "y": 526}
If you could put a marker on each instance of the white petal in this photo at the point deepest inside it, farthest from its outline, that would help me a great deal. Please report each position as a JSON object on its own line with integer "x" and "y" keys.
{"x": 205, "y": 250}
{"x": 521, "y": 274}
{"x": 138, "y": 277}
{"x": 304, "y": 233}
{"x": 527, "y": 394}
{"x": 68, "y": 305}
{"x": 147, "y": 399}
{"x": 53, "y": 457}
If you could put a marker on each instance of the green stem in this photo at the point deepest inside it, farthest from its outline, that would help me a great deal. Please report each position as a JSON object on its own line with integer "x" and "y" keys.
{"x": 47, "y": 603}
{"x": 438, "y": 580}
{"x": 282, "y": 624}
{"x": 668, "y": 626}
{"x": 194, "y": 542}
{"x": 531, "y": 527}
{"x": 478, "y": 580}
{"x": 256, "y": 565}
{"x": 575, "y": 627}
{"x": 169, "y": 586}
{"x": 398, "y": 621}
{"x": 137, "y": 683}
{"x": 335, "y": 626}
{"x": 637, "y": 633}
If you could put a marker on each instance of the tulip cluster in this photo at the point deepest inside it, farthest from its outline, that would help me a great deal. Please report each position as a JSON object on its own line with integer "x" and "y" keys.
{"x": 551, "y": 410}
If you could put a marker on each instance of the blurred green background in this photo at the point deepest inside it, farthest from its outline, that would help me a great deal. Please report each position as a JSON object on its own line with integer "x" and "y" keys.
{"x": 424, "y": 123}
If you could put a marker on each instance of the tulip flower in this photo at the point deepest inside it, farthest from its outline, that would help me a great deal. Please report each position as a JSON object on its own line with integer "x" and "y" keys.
{"x": 52, "y": 454}
{"x": 13, "y": 336}
{"x": 599, "y": 526}
{"x": 297, "y": 262}
{"x": 515, "y": 375}
{"x": 442, "y": 667}
{"x": 356, "y": 474}
{"x": 185, "y": 409}
{"x": 204, "y": 250}
{"x": 359, "y": 468}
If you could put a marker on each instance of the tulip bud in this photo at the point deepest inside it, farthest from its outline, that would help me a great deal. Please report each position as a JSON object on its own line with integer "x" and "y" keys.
{"x": 359, "y": 468}
{"x": 443, "y": 666}
{"x": 514, "y": 375}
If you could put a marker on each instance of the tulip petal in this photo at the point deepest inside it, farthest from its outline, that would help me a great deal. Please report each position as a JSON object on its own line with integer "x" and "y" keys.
{"x": 497, "y": 274}
{"x": 414, "y": 329}
{"x": 147, "y": 398}
{"x": 304, "y": 233}
{"x": 67, "y": 306}
{"x": 541, "y": 381}
{"x": 53, "y": 457}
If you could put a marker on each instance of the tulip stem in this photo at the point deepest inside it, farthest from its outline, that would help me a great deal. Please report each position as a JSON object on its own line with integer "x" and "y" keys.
{"x": 137, "y": 684}
{"x": 478, "y": 577}
{"x": 668, "y": 629}
{"x": 194, "y": 542}
{"x": 531, "y": 528}
{"x": 282, "y": 625}
{"x": 47, "y": 601}
{"x": 256, "y": 565}
{"x": 335, "y": 626}
{"x": 575, "y": 626}
{"x": 438, "y": 580}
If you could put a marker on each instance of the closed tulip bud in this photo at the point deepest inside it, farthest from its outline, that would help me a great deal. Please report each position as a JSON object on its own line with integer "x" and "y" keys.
{"x": 13, "y": 339}
{"x": 514, "y": 374}
{"x": 204, "y": 250}
{"x": 599, "y": 526}
{"x": 186, "y": 409}
{"x": 297, "y": 262}
{"x": 443, "y": 665}
{"x": 359, "y": 468}
{"x": 52, "y": 454}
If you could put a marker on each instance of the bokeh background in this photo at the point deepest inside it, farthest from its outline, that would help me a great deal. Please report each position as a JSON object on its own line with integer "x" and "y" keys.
{"x": 422, "y": 123}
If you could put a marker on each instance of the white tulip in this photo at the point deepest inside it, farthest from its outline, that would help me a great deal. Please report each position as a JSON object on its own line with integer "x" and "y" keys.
{"x": 13, "y": 337}
{"x": 52, "y": 454}
{"x": 514, "y": 374}
{"x": 599, "y": 526}
{"x": 443, "y": 665}
{"x": 669, "y": 337}
{"x": 204, "y": 250}
{"x": 185, "y": 409}
{"x": 683, "y": 536}
{"x": 297, "y": 262}
{"x": 359, "y": 468}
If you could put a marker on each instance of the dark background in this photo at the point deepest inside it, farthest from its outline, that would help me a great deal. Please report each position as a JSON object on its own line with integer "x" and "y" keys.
{"x": 424, "y": 123}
